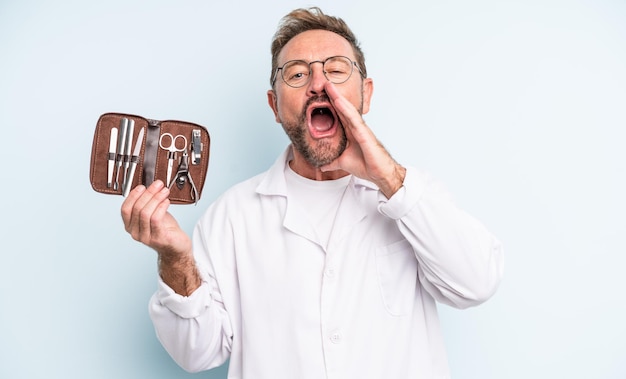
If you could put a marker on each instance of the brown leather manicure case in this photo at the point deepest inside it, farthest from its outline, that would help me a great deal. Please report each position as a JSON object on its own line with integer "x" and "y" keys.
{"x": 129, "y": 150}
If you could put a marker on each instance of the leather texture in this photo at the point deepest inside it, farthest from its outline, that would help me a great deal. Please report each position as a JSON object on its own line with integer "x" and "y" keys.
{"x": 152, "y": 163}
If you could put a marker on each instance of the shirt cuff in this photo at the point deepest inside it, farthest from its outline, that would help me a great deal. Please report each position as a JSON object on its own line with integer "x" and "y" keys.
{"x": 190, "y": 306}
{"x": 406, "y": 197}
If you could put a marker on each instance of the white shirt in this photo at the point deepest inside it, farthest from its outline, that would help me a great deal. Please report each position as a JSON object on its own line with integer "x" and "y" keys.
{"x": 317, "y": 200}
{"x": 279, "y": 305}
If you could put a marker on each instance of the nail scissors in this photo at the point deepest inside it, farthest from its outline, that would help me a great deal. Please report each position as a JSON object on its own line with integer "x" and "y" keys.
{"x": 172, "y": 150}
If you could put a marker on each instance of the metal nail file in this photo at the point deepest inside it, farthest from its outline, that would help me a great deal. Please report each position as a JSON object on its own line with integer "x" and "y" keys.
{"x": 127, "y": 147}
{"x": 121, "y": 140}
{"x": 112, "y": 151}
{"x": 134, "y": 160}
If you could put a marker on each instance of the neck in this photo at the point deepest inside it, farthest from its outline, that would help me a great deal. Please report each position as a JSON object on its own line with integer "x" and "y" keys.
{"x": 303, "y": 168}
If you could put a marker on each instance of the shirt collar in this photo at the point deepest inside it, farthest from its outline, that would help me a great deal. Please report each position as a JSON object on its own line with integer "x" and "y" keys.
{"x": 274, "y": 181}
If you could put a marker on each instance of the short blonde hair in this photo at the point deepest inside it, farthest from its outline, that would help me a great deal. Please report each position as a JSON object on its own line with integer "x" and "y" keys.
{"x": 301, "y": 20}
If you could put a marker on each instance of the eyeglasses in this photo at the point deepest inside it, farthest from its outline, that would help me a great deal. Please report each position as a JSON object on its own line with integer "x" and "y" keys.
{"x": 297, "y": 73}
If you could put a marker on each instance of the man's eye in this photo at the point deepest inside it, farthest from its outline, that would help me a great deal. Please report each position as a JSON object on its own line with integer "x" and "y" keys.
{"x": 336, "y": 72}
{"x": 297, "y": 75}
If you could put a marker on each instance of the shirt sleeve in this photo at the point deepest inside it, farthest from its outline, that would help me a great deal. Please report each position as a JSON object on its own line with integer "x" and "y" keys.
{"x": 195, "y": 330}
{"x": 460, "y": 263}
{"x": 186, "y": 307}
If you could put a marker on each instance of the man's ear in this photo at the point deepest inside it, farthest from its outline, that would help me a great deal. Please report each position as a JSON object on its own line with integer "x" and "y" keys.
{"x": 368, "y": 90}
{"x": 272, "y": 100}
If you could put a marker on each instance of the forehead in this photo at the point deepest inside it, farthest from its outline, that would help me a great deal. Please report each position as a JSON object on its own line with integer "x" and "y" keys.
{"x": 315, "y": 45}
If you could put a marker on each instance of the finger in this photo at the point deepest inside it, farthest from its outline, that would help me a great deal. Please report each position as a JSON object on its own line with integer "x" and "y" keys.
{"x": 347, "y": 112}
{"x": 140, "y": 200}
{"x": 129, "y": 203}
{"x": 160, "y": 222}
{"x": 147, "y": 222}
{"x": 148, "y": 194}
{"x": 352, "y": 120}
{"x": 160, "y": 212}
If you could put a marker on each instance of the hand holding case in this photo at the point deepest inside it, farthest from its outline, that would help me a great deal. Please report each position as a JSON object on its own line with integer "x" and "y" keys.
{"x": 113, "y": 157}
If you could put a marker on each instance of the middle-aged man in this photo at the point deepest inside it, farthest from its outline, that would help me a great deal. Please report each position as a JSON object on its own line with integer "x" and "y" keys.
{"x": 329, "y": 264}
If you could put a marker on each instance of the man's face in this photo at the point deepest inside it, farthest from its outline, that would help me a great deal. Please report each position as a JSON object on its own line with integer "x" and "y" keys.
{"x": 306, "y": 113}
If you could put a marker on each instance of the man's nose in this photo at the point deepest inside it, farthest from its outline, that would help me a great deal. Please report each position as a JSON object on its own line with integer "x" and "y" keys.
{"x": 318, "y": 79}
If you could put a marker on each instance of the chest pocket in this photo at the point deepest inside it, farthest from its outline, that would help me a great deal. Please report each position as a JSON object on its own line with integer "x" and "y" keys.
{"x": 397, "y": 277}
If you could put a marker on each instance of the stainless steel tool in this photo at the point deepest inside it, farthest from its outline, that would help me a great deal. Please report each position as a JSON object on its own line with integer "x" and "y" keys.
{"x": 127, "y": 147}
{"x": 134, "y": 160}
{"x": 183, "y": 176}
{"x": 121, "y": 141}
{"x": 196, "y": 147}
{"x": 172, "y": 150}
{"x": 112, "y": 151}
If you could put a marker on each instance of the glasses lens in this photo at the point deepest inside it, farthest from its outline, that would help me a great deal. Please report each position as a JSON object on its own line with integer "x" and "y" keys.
{"x": 338, "y": 69}
{"x": 296, "y": 73}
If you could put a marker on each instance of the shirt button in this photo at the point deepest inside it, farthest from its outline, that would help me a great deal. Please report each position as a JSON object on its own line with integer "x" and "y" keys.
{"x": 335, "y": 337}
{"x": 330, "y": 272}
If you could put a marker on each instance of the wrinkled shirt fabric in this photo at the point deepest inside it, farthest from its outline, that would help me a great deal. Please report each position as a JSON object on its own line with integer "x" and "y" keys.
{"x": 278, "y": 305}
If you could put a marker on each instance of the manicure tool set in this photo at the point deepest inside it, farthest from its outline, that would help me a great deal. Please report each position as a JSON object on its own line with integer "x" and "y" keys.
{"x": 129, "y": 150}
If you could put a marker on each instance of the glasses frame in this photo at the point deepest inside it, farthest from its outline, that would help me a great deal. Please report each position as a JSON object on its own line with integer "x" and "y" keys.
{"x": 354, "y": 64}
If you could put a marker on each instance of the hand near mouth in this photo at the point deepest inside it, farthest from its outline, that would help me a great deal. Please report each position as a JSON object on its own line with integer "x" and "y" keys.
{"x": 364, "y": 157}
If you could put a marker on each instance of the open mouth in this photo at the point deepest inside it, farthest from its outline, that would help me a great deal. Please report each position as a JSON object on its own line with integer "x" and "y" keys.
{"x": 322, "y": 121}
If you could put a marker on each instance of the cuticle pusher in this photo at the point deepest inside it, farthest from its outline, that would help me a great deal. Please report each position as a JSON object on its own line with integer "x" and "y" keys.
{"x": 134, "y": 160}
{"x": 111, "y": 158}
{"x": 129, "y": 144}
{"x": 121, "y": 140}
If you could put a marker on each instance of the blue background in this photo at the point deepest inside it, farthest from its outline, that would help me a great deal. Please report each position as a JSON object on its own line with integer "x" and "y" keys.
{"x": 518, "y": 106}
